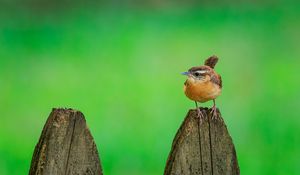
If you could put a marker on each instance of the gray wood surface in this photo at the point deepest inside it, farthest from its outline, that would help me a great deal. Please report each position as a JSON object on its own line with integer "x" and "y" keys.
{"x": 202, "y": 148}
{"x": 65, "y": 147}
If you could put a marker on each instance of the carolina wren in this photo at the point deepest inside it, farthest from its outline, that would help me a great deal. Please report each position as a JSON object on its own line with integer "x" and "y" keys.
{"x": 203, "y": 84}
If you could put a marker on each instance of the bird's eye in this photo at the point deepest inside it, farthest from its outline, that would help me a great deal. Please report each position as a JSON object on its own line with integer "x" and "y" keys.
{"x": 196, "y": 74}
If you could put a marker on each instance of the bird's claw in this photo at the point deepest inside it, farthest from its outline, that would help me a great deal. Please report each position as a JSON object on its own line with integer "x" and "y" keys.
{"x": 215, "y": 115}
{"x": 200, "y": 115}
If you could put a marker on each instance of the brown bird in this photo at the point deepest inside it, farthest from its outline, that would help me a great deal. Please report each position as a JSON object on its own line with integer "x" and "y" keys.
{"x": 203, "y": 84}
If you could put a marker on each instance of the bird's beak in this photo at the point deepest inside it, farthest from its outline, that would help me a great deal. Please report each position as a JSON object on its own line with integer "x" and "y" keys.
{"x": 185, "y": 73}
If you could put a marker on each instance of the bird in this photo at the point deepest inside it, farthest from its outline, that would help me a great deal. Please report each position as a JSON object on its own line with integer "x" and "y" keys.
{"x": 204, "y": 84}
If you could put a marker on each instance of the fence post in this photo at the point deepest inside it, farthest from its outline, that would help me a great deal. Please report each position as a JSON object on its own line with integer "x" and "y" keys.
{"x": 66, "y": 146}
{"x": 202, "y": 149}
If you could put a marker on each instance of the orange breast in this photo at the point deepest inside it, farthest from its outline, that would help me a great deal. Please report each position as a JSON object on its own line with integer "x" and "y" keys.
{"x": 201, "y": 91}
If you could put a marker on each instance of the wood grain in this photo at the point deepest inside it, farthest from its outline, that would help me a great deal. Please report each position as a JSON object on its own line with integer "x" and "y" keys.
{"x": 202, "y": 148}
{"x": 65, "y": 147}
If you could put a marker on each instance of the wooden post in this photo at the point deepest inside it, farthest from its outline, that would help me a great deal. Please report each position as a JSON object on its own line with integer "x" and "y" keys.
{"x": 204, "y": 149}
{"x": 66, "y": 146}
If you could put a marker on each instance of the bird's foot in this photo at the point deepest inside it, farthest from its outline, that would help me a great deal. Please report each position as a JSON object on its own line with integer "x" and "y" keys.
{"x": 200, "y": 115}
{"x": 215, "y": 115}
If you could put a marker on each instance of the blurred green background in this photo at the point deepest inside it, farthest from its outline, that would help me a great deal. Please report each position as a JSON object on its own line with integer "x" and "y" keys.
{"x": 120, "y": 63}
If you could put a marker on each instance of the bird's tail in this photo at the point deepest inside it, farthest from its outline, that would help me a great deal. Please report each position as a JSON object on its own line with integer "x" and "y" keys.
{"x": 211, "y": 61}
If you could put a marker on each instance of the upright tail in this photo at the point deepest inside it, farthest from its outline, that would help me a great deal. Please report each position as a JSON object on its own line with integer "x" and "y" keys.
{"x": 211, "y": 61}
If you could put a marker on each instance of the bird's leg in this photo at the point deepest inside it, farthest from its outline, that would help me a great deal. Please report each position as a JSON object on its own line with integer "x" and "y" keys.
{"x": 215, "y": 115}
{"x": 199, "y": 113}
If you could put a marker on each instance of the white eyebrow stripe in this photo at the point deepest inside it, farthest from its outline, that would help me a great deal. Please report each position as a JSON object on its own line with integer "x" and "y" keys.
{"x": 201, "y": 71}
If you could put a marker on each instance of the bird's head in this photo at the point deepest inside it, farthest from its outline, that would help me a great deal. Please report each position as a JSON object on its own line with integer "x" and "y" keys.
{"x": 199, "y": 73}
{"x": 202, "y": 73}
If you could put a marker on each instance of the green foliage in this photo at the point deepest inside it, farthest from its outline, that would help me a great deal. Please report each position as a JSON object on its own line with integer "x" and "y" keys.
{"x": 122, "y": 68}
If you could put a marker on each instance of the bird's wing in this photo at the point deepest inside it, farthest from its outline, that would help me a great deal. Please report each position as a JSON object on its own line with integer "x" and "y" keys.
{"x": 220, "y": 81}
{"x": 217, "y": 80}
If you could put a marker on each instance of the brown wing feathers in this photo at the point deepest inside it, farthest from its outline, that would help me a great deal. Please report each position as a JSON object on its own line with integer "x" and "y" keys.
{"x": 211, "y": 61}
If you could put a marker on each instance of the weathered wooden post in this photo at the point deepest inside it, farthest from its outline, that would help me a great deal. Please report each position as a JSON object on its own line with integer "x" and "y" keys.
{"x": 65, "y": 147}
{"x": 202, "y": 149}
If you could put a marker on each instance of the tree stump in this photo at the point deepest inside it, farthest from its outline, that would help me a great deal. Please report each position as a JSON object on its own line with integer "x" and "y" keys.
{"x": 202, "y": 148}
{"x": 65, "y": 147}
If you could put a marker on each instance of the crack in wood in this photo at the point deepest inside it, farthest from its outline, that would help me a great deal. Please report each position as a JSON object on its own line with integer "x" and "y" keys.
{"x": 210, "y": 146}
{"x": 71, "y": 142}
{"x": 66, "y": 146}
{"x": 202, "y": 149}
